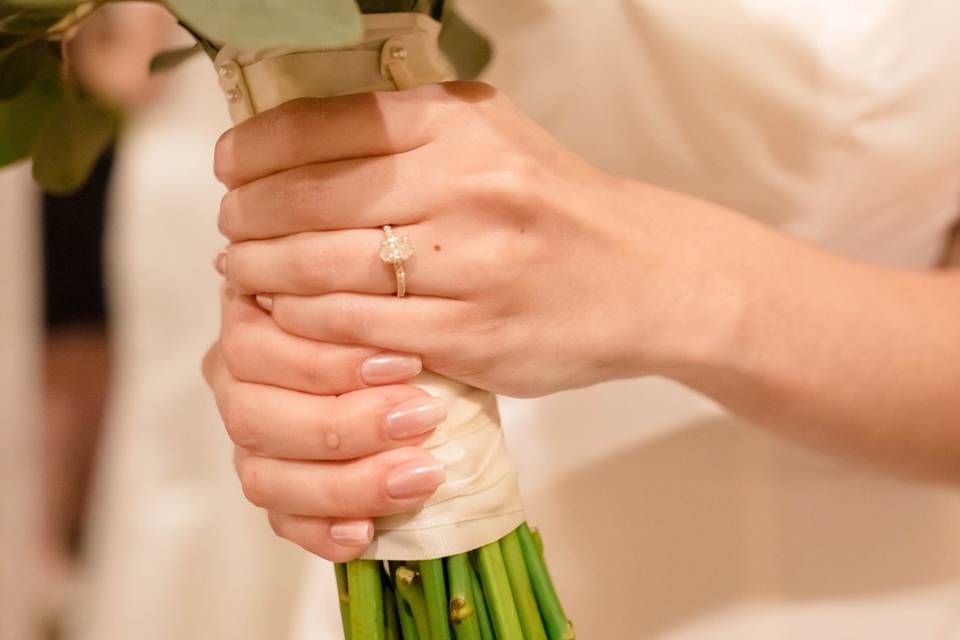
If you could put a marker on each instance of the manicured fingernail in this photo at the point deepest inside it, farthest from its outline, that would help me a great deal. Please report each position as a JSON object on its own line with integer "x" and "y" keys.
{"x": 415, "y": 479}
{"x": 415, "y": 417}
{"x": 220, "y": 263}
{"x": 384, "y": 368}
{"x": 265, "y": 301}
{"x": 351, "y": 532}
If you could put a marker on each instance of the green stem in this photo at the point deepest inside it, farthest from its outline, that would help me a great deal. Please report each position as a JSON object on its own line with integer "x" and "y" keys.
{"x": 408, "y": 586}
{"x": 537, "y": 540}
{"x": 496, "y": 586}
{"x": 483, "y": 616}
{"x": 366, "y": 600}
{"x": 435, "y": 591}
{"x": 520, "y": 586}
{"x": 558, "y": 626}
{"x": 408, "y": 627}
{"x": 342, "y": 595}
{"x": 392, "y": 619}
{"x": 463, "y": 615}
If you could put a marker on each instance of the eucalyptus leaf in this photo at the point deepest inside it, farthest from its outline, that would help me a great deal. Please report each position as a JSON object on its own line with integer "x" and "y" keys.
{"x": 31, "y": 22}
{"x": 167, "y": 60}
{"x": 20, "y": 65}
{"x": 66, "y": 150}
{"x": 272, "y": 23}
{"x": 24, "y": 117}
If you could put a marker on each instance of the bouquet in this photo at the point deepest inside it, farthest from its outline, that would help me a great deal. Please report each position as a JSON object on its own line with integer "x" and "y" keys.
{"x": 465, "y": 565}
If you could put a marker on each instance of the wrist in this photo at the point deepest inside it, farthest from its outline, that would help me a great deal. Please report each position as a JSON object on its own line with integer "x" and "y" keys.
{"x": 697, "y": 295}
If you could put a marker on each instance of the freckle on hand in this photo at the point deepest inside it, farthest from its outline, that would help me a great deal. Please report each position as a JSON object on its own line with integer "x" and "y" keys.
{"x": 437, "y": 247}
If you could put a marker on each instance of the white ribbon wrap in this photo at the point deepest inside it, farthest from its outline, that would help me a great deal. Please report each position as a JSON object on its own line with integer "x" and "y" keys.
{"x": 479, "y": 502}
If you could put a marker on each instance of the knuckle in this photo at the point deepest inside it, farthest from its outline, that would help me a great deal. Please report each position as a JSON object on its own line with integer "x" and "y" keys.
{"x": 228, "y": 220}
{"x": 313, "y": 370}
{"x": 230, "y": 343}
{"x": 348, "y": 321}
{"x": 209, "y": 363}
{"x": 277, "y": 524}
{"x": 493, "y": 190}
{"x": 252, "y": 482}
{"x": 502, "y": 251}
{"x": 239, "y": 426}
{"x": 236, "y": 348}
{"x": 224, "y": 161}
{"x": 342, "y": 499}
{"x": 513, "y": 182}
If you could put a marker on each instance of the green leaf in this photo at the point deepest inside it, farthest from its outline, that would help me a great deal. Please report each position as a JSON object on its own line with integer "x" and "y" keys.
{"x": 273, "y": 23}
{"x": 467, "y": 50}
{"x": 31, "y": 22}
{"x": 66, "y": 150}
{"x": 22, "y": 118}
{"x": 167, "y": 60}
{"x": 20, "y": 65}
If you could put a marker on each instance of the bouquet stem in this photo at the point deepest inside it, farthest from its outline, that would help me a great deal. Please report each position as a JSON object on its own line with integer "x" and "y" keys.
{"x": 463, "y": 612}
{"x": 365, "y": 591}
{"x": 483, "y": 614}
{"x": 527, "y": 610}
{"x": 501, "y": 591}
{"x": 341, "y": 570}
{"x": 558, "y": 626}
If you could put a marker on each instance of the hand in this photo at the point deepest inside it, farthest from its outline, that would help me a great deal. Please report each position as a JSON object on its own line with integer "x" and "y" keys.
{"x": 321, "y": 464}
{"x": 110, "y": 52}
{"x": 534, "y": 272}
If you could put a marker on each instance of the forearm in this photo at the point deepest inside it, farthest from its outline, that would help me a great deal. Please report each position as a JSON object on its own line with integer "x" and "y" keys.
{"x": 854, "y": 359}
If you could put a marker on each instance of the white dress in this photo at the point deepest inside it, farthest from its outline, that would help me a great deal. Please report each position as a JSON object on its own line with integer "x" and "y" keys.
{"x": 20, "y": 348}
{"x": 176, "y": 553}
{"x": 834, "y": 120}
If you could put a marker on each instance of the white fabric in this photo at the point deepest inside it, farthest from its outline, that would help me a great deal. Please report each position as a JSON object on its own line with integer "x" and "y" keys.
{"x": 19, "y": 424}
{"x": 835, "y": 120}
{"x": 175, "y": 550}
{"x": 479, "y": 502}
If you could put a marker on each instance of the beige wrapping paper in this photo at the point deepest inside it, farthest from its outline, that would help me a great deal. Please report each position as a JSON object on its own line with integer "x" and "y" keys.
{"x": 480, "y": 502}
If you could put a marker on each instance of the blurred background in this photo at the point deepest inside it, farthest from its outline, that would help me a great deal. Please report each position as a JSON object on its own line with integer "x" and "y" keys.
{"x": 120, "y": 516}
{"x": 117, "y": 474}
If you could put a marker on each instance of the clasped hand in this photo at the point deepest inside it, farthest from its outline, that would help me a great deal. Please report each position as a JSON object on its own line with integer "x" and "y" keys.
{"x": 524, "y": 282}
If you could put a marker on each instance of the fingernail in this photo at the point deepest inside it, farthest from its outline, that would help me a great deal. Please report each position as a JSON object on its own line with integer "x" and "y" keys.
{"x": 390, "y": 367}
{"x": 415, "y": 479}
{"x": 351, "y": 532}
{"x": 220, "y": 263}
{"x": 415, "y": 417}
{"x": 265, "y": 301}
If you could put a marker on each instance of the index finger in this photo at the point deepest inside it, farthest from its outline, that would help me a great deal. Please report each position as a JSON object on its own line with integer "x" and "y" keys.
{"x": 313, "y": 130}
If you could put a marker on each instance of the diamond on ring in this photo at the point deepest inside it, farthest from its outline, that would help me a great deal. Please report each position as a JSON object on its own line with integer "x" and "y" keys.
{"x": 394, "y": 250}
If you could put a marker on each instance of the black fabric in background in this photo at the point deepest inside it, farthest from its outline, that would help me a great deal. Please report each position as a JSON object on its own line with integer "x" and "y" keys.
{"x": 433, "y": 7}
{"x": 73, "y": 229}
